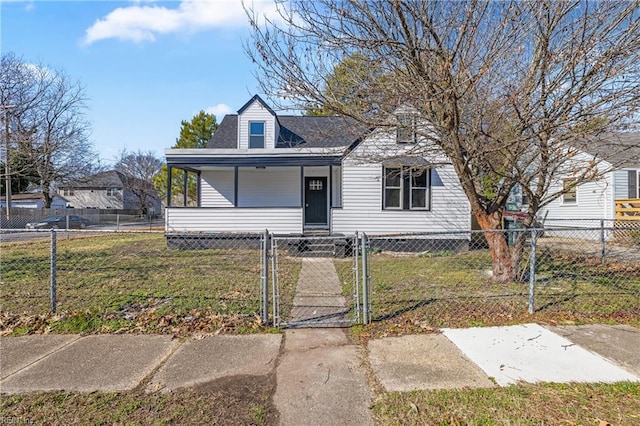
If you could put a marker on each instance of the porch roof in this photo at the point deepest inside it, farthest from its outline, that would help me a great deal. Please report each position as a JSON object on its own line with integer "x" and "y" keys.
{"x": 201, "y": 158}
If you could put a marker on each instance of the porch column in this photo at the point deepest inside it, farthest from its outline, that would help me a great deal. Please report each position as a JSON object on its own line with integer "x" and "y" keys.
{"x": 302, "y": 187}
{"x": 235, "y": 186}
{"x": 199, "y": 187}
{"x": 185, "y": 176}
{"x": 169, "y": 170}
{"x": 330, "y": 188}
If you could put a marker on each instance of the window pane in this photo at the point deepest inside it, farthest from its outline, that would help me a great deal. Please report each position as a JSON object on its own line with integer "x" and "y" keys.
{"x": 256, "y": 141}
{"x": 392, "y": 198}
{"x": 256, "y": 128}
{"x": 570, "y": 197}
{"x": 419, "y": 198}
{"x": 419, "y": 178}
{"x": 406, "y": 129}
{"x": 392, "y": 178}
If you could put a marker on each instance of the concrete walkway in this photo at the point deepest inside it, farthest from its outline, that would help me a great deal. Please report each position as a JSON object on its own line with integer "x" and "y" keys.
{"x": 318, "y": 297}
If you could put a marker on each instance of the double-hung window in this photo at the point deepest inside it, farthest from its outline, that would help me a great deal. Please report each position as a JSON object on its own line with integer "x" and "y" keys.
{"x": 112, "y": 192}
{"x": 406, "y": 132}
{"x": 406, "y": 188}
{"x": 256, "y": 134}
{"x": 570, "y": 193}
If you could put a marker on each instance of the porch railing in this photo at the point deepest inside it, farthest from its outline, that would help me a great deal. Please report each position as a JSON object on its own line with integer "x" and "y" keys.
{"x": 628, "y": 209}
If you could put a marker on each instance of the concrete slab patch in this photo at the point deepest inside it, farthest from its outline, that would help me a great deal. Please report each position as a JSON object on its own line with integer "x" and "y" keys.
{"x": 303, "y": 339}
{"x": 107, "y": 363}
{"x": 213, "y": 357}
{"x": 620, "y": 343}
{"x": 323, "y": 386}
{"x": 19, "y": 352}
{"x": 428, "y": 361}
{"x": 532, "y": 353}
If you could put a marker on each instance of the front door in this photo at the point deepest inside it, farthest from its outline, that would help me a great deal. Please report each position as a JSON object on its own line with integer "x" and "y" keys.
{"x": 315, "y": 199}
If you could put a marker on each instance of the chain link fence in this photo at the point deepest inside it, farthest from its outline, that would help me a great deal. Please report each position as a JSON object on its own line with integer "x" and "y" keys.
{"x": 21, "y": 218}
{"x": 106, "y": 280}
{"x": 103, "y": 280}
{"x": 559, "y": 274}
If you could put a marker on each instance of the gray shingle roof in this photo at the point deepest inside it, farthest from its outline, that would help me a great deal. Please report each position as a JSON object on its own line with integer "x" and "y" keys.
{"x": 108, "y": 179}
{"x": 297, "y": 131}
{"x": 622, "y": 150}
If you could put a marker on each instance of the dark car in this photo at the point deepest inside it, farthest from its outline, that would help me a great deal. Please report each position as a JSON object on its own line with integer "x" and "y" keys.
{"x": 59, "y": 222}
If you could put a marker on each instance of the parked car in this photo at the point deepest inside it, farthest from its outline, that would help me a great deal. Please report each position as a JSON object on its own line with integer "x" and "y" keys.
{"x": 59, "y": 222}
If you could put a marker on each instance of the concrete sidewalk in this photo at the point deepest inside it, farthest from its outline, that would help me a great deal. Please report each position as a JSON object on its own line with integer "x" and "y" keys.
{"x": 318, "y": 368}
{"x": 321, "y": 376}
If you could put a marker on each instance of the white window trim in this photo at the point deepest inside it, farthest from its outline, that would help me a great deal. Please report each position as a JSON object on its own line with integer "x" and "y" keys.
{"x": 403, "y": 179}
{"x": 264, "y": 134}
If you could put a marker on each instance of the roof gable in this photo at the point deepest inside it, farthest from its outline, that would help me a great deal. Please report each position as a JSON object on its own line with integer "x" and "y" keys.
{"x": 258, "y": 99}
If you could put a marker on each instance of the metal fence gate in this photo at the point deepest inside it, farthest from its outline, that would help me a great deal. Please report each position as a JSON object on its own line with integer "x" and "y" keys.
{"x": 317, "y": 280}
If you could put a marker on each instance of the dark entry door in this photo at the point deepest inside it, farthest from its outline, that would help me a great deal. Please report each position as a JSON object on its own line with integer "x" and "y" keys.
{"x": 315, "y": 198}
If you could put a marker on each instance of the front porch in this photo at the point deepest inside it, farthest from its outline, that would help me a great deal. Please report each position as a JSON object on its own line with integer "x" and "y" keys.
{"x": 256, "y": 191}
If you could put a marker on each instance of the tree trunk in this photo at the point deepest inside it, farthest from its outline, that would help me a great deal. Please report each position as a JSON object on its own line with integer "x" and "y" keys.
{"x": 503, "y": 271}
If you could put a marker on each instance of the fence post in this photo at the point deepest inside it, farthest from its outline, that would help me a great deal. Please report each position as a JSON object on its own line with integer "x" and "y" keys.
{"x": 265, "y": 277}
{"x": 52, "y": 272}
{"x": 356, "y": 277}
{"x": 532, "y": 271}
{"x": 365, "y": 284}
{"x": 603, "y": 248}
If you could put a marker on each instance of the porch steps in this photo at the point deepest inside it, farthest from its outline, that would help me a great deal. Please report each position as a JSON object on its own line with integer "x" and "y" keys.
{"x": 316, "y": 246}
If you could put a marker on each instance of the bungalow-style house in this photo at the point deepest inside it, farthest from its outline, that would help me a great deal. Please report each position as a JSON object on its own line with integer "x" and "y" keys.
{"x": 297, "y": 175}
{"x": 616, "y": 195}
{"x": 111, "y": 190}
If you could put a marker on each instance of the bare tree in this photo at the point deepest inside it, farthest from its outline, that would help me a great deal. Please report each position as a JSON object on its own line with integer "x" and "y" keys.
{"x": 514, "y": 92}
{"x": 50, "y": 135}
{"x": 139, "y": 168}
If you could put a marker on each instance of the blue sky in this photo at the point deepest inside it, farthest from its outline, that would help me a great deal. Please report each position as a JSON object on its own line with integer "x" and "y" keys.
{"x": 146, "y": 65}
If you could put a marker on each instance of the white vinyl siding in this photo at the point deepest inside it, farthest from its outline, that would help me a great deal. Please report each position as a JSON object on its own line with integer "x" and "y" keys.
{"x": 216, "y": 188}
{"x": 269, "y": 187}
{"x": 594, "y": 201}
{"x": 362, "y": 205}
{"x": 256, "y": 113}
{"x": 276, "y": 220}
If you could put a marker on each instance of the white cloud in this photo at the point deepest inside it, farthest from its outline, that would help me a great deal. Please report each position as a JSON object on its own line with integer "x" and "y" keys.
{"x": 219, "y": 110}
{"x": 145, "y": 20}
{"x": 29, "y": 4}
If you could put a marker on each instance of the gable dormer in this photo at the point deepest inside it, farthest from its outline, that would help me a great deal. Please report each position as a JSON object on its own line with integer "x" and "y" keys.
{"x": 258, "y": 126}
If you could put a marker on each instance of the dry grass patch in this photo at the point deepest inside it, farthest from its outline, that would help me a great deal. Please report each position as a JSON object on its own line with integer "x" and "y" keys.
{"x": 524, "y": 404}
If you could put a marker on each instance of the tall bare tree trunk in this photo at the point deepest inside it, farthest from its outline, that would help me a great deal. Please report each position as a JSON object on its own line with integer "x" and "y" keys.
{"x": 503, "y": 271}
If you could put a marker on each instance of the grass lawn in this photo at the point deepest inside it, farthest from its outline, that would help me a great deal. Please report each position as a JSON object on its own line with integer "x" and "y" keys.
{"x": 132, "y": 282}
{"x": 525, "y": 404}
{"x": 243, "y": 401}
{"x": 412, "y": 293}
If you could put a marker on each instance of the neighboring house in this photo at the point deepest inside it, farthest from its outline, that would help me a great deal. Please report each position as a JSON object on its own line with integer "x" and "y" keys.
{"x": 304, "y": 174}
{"x": 618, "y": 187}
{"x": 109, "y": 190}
{"x": 28, "y": 200}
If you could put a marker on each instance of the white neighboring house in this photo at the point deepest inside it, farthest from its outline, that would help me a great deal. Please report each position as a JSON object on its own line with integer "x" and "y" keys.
{"x": 33, "y": 200}
{"x": 303, "y": 174}
{"x": 614, "y": 196}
